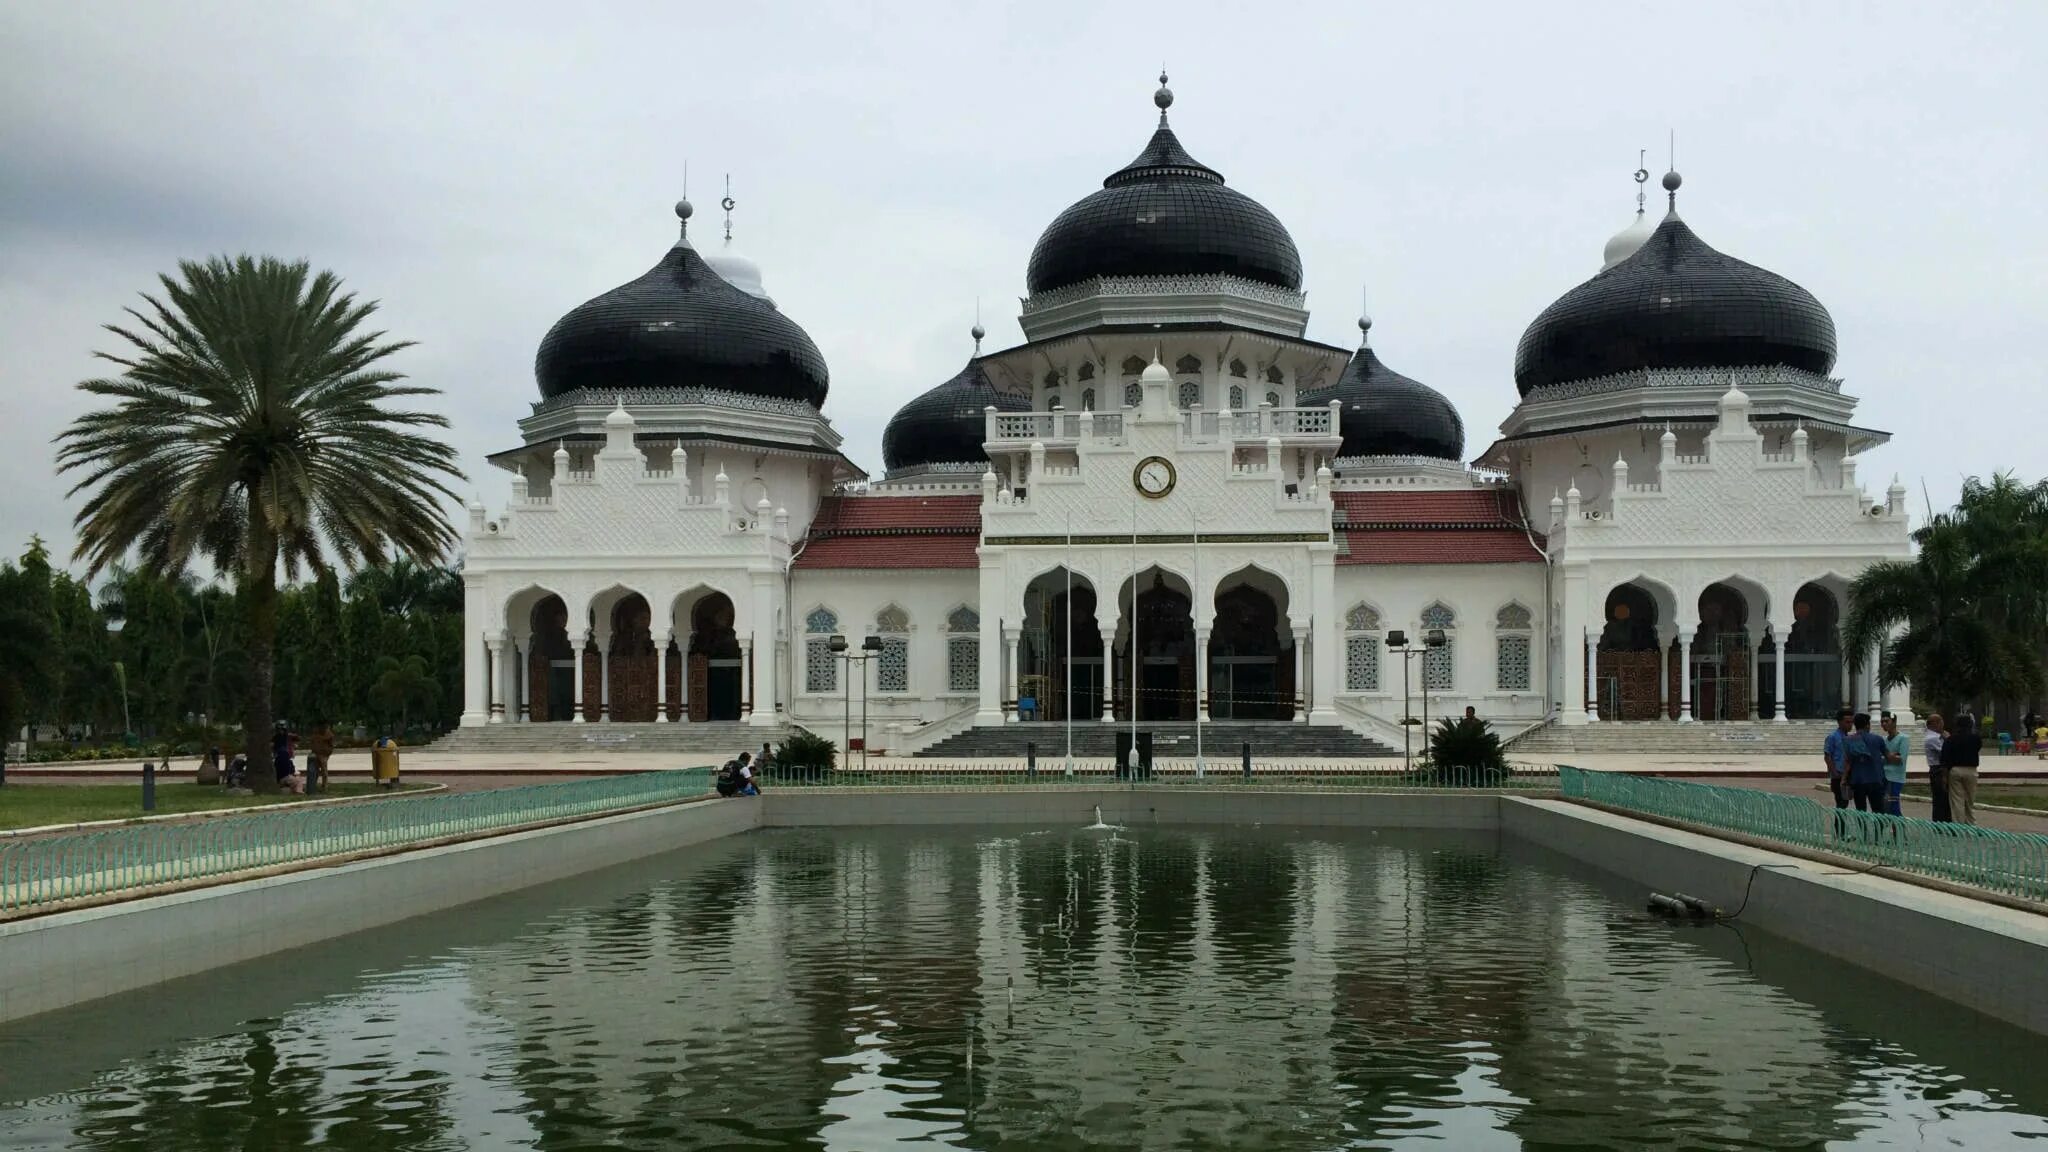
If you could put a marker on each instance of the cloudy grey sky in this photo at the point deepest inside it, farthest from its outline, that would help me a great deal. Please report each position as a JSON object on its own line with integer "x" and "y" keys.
{"x": 481, "y": 169}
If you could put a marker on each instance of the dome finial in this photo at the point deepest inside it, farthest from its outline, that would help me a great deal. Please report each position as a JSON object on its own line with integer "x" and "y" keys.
{"x": 728, "y": 204}
{"x": 977, "y": 331}
{"x": 1642, "y": 176}
{"x": 683, "y": 213}
{"x": 1671, "y": 177}
{"x": 1164, "y": 97}
{"x": 1364, "y": 320}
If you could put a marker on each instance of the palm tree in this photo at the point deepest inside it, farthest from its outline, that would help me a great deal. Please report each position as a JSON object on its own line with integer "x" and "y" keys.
{"x": 253, "y": 424}
{"x": 1960, "y": 620}
{"x": 402, "y": 683}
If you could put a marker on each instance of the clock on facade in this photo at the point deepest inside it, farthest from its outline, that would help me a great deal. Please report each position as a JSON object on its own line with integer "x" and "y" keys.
{"x": 1154, "y": 476}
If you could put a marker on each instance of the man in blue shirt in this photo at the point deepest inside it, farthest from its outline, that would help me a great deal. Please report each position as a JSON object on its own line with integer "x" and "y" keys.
{"x": 1864, "y": 753}
{"x": 1837, "y": 752}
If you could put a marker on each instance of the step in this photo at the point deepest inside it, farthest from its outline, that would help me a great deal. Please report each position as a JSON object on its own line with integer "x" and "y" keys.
{"x": 709, "y": 736}
{"x": 1094, "y": 738}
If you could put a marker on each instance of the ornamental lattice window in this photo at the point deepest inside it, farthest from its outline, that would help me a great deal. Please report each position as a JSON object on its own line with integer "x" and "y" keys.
{"x": 1132, "y": 394}
{"x": 1237, "y": 397}
{"x": 821, "y": 667}
{"x": 1087, "y": 399}
{"x": 1438, "y": 664}
{"x": 1273, "y": 399}
{"x": 1190, "y": 394}
{"x": 1052, "y": 400}
{"x": 963, "y": 651}
{"x": 892, "y": 663}
{"x": 1513, "y": 646}
{"x": 1362, "y": 641}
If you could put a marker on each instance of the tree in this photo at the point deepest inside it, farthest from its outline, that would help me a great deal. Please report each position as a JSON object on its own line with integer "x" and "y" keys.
{"x": 253, "y": 423}
{"x": 1964, "y": 620}
{"x": 400, "y": 685}
{"x": 25, "y": 655}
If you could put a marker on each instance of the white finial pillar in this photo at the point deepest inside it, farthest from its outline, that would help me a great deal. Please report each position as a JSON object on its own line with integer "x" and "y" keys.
{"x": 1667, "y": 454}
{"x": 988, "y": 484}
{"x": 1556, "y": 510}
{"x": 679, "y": 467}
{"x": 1620, "y": 485}
{"x": 721, "y": 486}
{"x": 1571, "y": 506}
{"x": 1273, "y": 465}
{"x": 1801, "y": 449}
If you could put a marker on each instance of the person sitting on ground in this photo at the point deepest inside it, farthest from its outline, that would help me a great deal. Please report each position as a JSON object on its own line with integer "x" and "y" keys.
{"x": 1895, "y": 755}
{"x": 1865, "y": 755}
{"x": 728, "y": 780}
{"x": 1959, "y": 754}
{"x": 288, "y": 777}
{"x": 209, "y": 767}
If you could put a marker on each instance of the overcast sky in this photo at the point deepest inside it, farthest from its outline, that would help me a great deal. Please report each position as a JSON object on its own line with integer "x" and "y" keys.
{"x": 482, "y": 169}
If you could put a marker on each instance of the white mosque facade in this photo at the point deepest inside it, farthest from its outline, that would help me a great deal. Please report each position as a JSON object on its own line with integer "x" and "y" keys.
{"x": 1169, "y": 498}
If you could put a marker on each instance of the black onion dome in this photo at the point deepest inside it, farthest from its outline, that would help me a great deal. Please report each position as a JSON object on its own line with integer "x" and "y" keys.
{"x": 947, "y": 424}
{"x": 1675, "y": 303}
{"x": 681, "y": 324}
{"x": 1164, "y": 214}
{"x": 1388, "y": 414}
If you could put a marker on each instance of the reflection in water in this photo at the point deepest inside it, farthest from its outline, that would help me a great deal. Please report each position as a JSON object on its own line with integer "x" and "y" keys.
{"x": 1151, "y": 988}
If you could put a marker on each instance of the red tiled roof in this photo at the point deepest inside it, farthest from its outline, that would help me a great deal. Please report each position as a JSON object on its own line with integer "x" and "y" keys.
{"x": 1437, "y": 546}
{"x": 894, "y": 532}
{"x": 1453, "y": 506}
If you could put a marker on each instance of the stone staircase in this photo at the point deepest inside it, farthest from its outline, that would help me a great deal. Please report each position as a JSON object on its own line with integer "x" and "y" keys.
{"x": 1671, "y": 738}
{"x": 719, "y": 739}
{"x": 1221, "y": 738}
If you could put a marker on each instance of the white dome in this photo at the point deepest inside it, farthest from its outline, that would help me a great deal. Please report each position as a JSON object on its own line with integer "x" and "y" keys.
{"x": 738, "y": 271}
{"x": 1625, "y": 242}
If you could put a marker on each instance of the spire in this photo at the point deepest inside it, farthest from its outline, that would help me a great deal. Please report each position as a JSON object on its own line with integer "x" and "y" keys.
{"x": 1671, "y": 177}
{"x": 683, "y": 212}
{"x": 1623, "y": 244}
{"x": 1364, "y": 321}
{"x": 1164, "y": 97}
{"x": 977, "y": 331}
{"x": 728, "y": 204}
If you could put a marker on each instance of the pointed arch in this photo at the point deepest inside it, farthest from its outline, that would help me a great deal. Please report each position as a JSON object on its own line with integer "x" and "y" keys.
{"x": 1440, "y": 663}
{"x": 821, "y": 665}
{"x": 1363, "y": 639}
{"x": 1514, "y": 647}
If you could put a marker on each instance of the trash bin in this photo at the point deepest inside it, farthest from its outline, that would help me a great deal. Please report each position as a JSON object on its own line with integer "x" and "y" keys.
{"x": 384, "y": 761}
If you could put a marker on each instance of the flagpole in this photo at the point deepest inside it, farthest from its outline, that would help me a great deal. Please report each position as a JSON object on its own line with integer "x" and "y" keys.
{"x": 1069, "y": 702}
{"x": 1201, "y": 674}
{"x": 1134, "y": 634}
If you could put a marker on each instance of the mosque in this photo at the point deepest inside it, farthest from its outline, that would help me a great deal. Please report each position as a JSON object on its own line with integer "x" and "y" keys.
{"x": 1169, "y": 499}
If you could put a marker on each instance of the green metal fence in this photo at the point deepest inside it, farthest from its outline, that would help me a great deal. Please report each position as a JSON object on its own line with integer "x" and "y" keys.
{"x": 2013, "y": 863}
{"x": 37, "y": 872}
{"x": 1222, "y": 772}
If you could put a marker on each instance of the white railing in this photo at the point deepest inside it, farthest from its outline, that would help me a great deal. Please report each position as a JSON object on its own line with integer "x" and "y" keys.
{"x": 1256, "y": 423}
{"x": 1056, "y": 427}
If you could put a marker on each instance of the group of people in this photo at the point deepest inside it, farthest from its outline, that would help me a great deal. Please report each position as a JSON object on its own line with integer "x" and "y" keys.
{"x": 741, "y": 775}
{"x": 284, "y": 752}
{"x": 1868, "y": 769}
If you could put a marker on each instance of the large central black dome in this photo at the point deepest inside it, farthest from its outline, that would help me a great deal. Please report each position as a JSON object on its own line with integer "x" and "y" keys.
{"x": 947, "y": 424}
{"x": 681, "y": 325}
{"x": 1164, "y": 214}
{"x": 1388, "y": 414}
{"x": 1675, "y": 303}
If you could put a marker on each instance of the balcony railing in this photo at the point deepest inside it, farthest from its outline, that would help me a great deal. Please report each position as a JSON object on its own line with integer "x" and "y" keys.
{"x": 1197, "y": 424}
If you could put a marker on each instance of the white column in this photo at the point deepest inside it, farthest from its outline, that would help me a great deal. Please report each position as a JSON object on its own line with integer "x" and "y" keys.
{"x": 474, "y": 628}
{"x": 1899, "y": 699}
{"x": 758, "y": 652}
{"x": 1754, "y": 694}
{"x": 1300, "y": 668}
{"x": 1778, "y": 693}
{"x": 661, "y": 678}
{"x": 1592, "y": 680}
{"x": 989, "y": 678}
{"x": 1202, "y": 672}
{"x": 604, "y": 679}
{"x": 496, "y": 644}
{"x": 1324, "y": 618}
{"x": 1108, "y": 674}
{"x": 522, "y": 686}
{"x": 1870, "y": 679}
{"x": 1663, "y": 677}
{"x": 1685, "y": 675}
{"x": 581, "y": 643}
{"x": 1014, "y": 676}
{"x": 748, "y": 708}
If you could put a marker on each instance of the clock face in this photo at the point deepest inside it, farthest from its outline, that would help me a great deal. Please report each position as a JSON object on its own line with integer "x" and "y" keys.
{"x": 1154, "y": 476}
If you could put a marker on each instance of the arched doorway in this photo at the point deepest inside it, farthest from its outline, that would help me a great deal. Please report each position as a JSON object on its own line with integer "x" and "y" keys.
{"x": 1813, "y": 656}
{"x": 1165, "y": 655}
{"x": 1629, "y": 682}
{"x": 632, "y": 661}
{"x": 1060, "y": 637}
{"x": 1251, "y": 651}
{"x": 714, "y": 672}
{"x": 550, "y": 663}
{"x": 1721, "y": 656}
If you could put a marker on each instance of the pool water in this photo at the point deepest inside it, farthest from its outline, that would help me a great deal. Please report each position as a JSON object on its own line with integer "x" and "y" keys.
{"x": 1034, "y": 989}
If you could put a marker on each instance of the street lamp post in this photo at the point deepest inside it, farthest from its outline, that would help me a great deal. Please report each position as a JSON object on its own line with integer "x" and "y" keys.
{"x": 837, "y": 644}
{"x": 870, "y": 648}
{"x": 1397, "y": 640}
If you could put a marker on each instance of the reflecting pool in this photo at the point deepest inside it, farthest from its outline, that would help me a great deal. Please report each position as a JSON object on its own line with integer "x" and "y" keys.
{"x": 1032, "y": 989}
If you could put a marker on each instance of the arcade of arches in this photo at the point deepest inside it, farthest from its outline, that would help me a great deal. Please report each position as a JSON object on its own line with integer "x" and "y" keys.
{"x": 614, "y": 673}
{"x": 1246, "y": 666}
{"x": 1729, "y": 668}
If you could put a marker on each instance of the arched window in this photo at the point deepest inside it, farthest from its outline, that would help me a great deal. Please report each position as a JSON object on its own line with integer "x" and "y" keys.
{"x": 1087, "y": 399}
{"x": 821, "y": 667}
{"x": 1273, "y": 375}
{"x": 1132, "y": 394}
{"x": 1438, "y": 663}
{"x": 1087, "y": 371}
{"x": 1052, "y": 400}
{"x": 963, "y": 650}
{"x": 1052, "y": 378}
{"x": 1513, "y": 645}
{"x": 1190, "y": 393}
{"x": 1236, "y": 397}
{"x": 892, "y": 663}
{"x": 1237, "y": 369}
{"x": 1273, "y": 399}
{"x": 1188, "y": 364}
{"x": 1134, "y": 365}
{"x": 1362, "y": 640}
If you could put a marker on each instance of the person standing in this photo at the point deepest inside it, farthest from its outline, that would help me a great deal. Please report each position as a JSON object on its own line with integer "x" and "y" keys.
{"x": 316, "y": 760}
{"x": 1865, "y": 757}
{"x": 1937, "y": 776}
{"x": 1895, "y": 754}
{"x": 1836, "y": 751}
{"x": 1959, "y": 754}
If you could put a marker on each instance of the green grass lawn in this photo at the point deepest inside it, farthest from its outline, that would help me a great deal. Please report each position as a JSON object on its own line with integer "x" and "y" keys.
{"x": 34, "y": 805}
{"x": 2014, "y": 796}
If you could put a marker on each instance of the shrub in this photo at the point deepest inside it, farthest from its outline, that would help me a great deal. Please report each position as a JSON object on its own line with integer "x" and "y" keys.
{"x": 1466, "y": 753}
{"x": 804, "y": 753}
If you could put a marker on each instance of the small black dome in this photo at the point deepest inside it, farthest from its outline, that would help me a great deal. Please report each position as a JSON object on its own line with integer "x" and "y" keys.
{"x": 1675, "y": 303}
{"x": 947, "y": 424}
{"x": 681, "y": 324}
{"x": 1388, "y": 414}
{"x": 1164, "y": 214}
